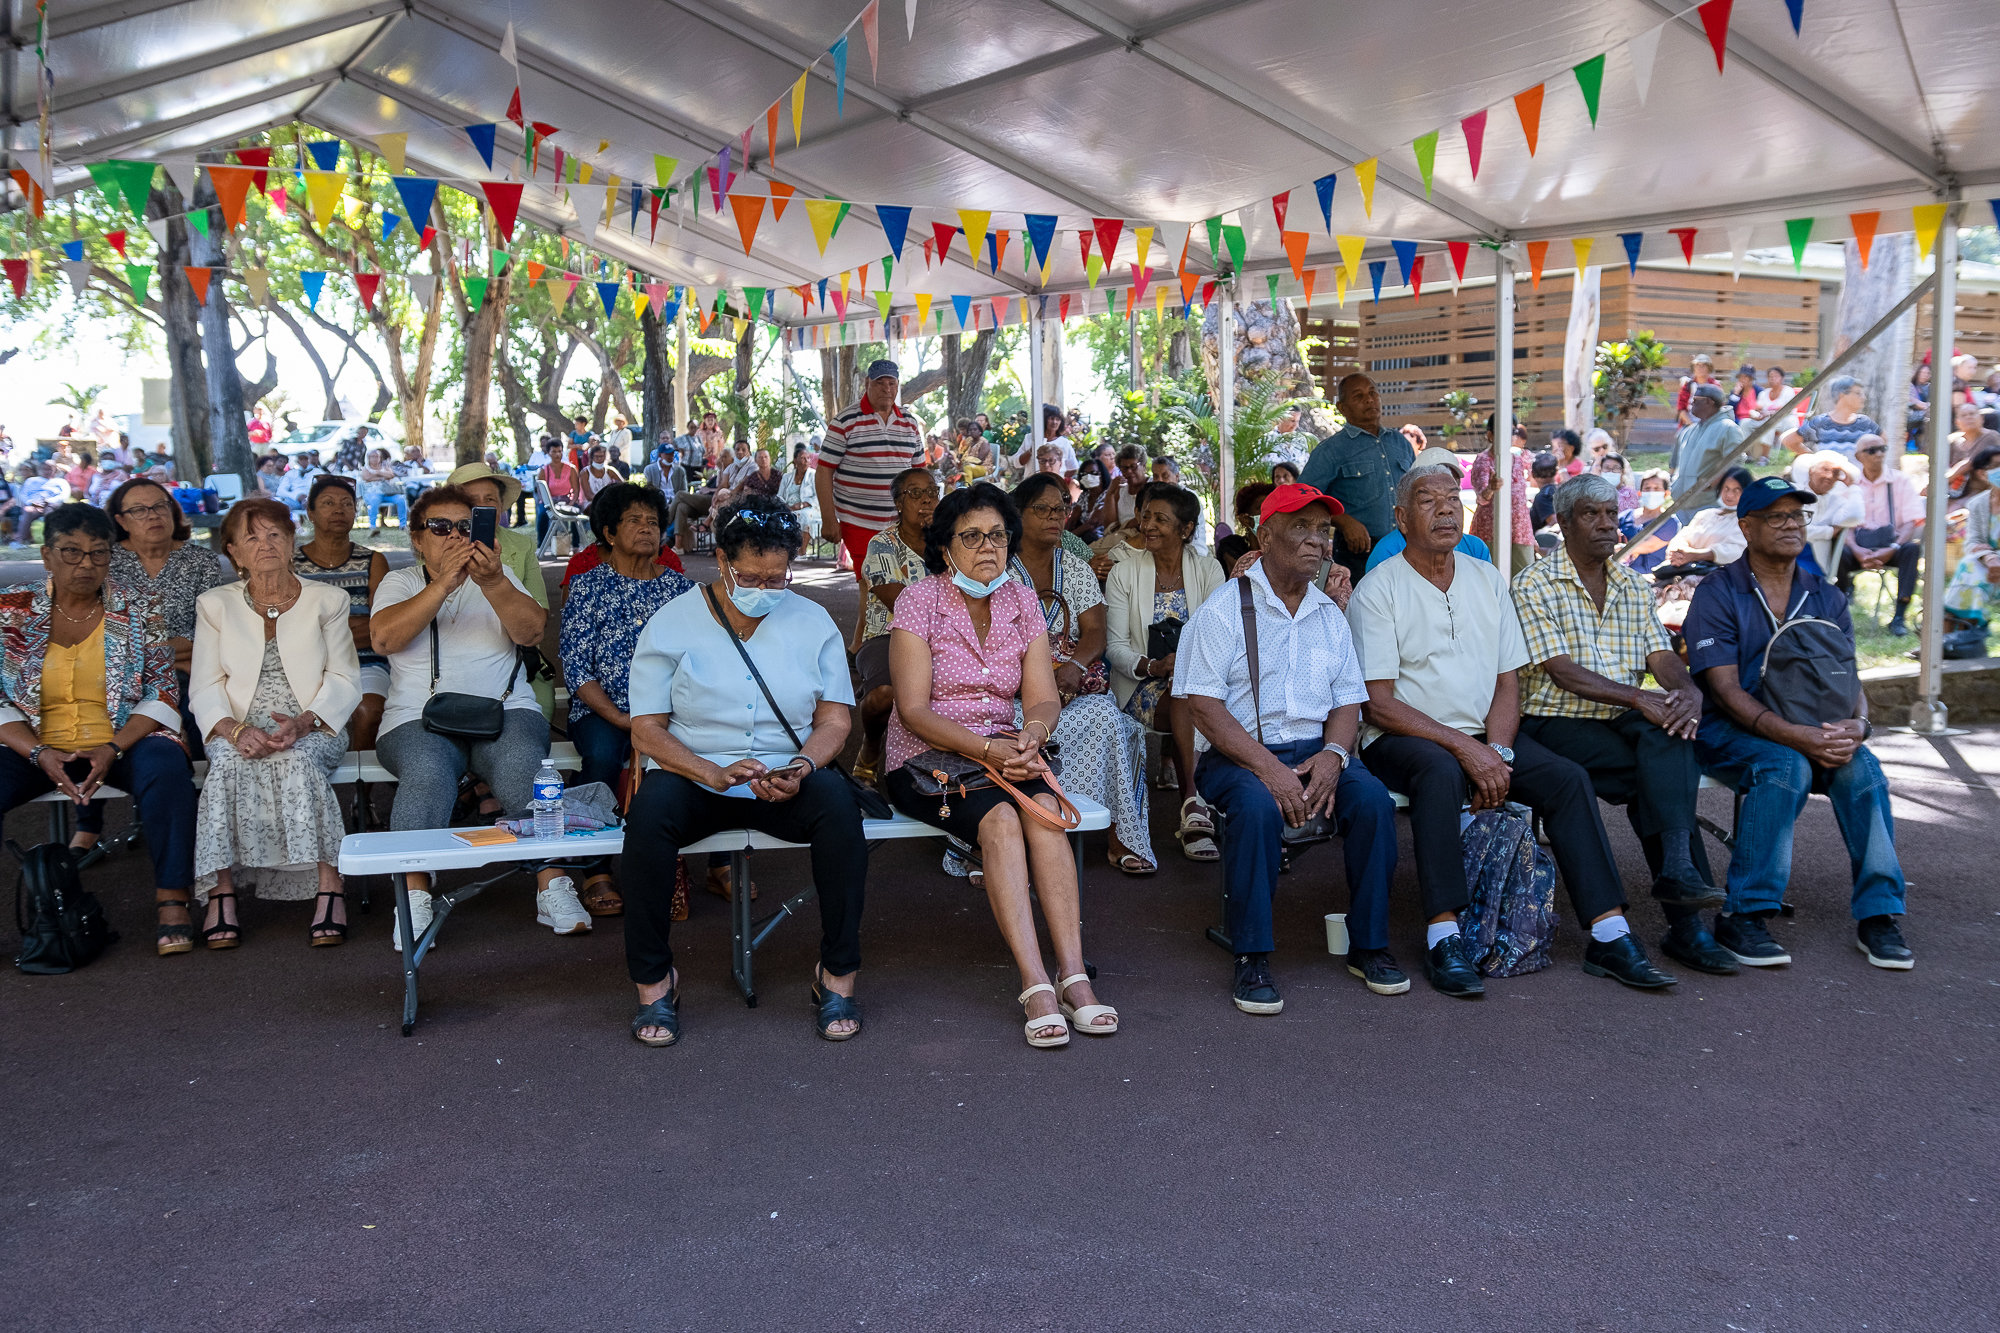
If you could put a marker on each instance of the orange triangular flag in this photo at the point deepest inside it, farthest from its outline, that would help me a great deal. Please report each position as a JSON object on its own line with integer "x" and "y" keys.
{"x": 232, "y": 185}
{"x": 1295, "y": 250}
{"x": 1864, "y": 233}
{"x": 781, "y": 195}
{"x": 535, "y": 272}
{"x": 1529, "y": 106}
{"x": 1189, "y": 281}
{"x": 749, "y": 212}
{"x": 198, "y": 279}
{"x": 1312, "y": 274}
{"x": 1537, "y": 252}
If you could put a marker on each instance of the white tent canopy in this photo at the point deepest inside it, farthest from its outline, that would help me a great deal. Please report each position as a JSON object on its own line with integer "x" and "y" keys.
{"x": 1152, "y": 113}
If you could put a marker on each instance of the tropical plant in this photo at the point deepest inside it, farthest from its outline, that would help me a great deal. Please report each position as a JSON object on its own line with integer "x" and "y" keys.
{"x": 1627, "y": 378}
{"x": 1460, "y": 407}
{"x": 78, "y": 398}
{"x": 1253, "y": 436}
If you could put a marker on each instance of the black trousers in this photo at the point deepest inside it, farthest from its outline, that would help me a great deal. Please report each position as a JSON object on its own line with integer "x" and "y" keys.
{"x": 670, "y": 812}
{"x": 1553, "y": 787}
{"x": 1904, "y": 561}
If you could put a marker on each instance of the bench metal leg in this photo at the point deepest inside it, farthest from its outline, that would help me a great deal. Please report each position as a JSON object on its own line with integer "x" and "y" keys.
{"x": 441, "y": 905}
{"x": 741, "y": 942}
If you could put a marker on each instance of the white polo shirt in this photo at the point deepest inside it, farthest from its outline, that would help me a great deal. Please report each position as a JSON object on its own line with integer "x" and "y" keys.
{"x": 1444, "y": 649}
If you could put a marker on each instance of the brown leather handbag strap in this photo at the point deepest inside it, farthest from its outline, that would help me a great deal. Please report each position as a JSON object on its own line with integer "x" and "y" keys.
{"x": 1066, "y": 819}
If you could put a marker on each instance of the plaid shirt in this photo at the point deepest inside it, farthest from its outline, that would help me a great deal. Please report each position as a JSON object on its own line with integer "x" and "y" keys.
{"x": 1558, "y": 619}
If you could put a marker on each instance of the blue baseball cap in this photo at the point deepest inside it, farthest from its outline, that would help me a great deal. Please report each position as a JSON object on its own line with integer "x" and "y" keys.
{"x": 1767, "y": 491}
{"x": 883, "y": 369}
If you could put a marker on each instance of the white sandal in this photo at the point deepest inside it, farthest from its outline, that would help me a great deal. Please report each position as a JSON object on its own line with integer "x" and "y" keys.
{"x": 1197, "y": 832}
{"x": 1047, "y": 1020}
{"x": 1085, "y": 1019}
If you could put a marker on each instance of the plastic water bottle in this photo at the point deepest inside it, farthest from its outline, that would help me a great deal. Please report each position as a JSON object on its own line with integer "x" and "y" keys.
{"x": 548, "y": 802}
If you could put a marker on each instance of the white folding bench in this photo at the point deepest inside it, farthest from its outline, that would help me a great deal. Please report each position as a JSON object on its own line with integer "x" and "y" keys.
{"x": 432, "y": 850}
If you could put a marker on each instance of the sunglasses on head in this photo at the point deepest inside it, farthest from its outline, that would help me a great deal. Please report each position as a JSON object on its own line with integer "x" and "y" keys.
{"x": 444, "y": 527}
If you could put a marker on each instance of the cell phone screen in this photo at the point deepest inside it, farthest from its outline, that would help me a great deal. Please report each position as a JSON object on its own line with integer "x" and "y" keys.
{"x": 485, "y": 522}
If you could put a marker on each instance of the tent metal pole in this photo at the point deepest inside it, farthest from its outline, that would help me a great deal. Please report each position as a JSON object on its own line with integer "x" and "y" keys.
{"x": 1035, "y": 336}
{"x": 1928, "y": 715}
{"x": 1131, "y": 346}
{"x": 1225, "y": 398}
{"x": 681, "y": 369}
{"x": 1503, "y": 412}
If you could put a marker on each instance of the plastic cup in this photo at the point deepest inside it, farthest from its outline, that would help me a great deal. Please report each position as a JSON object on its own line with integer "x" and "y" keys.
{"x": 1336, "y": 933}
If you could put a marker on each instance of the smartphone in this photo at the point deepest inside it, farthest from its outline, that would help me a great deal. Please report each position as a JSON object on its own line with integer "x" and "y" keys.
{"x": 485, "y": 524}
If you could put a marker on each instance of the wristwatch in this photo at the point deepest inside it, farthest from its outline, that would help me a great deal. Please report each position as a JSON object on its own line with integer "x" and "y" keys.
{"x": 1506, "y": 753}
{"x": 1345, "y": 757}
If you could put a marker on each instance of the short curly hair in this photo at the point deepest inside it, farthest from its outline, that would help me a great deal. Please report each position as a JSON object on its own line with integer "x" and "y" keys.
{"x": 956, "y": 505}
{"x": 615, "y": 501}
{"x": 759, "y": 523}
{"x": 435, "y": 497}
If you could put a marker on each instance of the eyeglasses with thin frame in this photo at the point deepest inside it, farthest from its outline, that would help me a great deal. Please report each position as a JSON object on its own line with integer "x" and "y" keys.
{"x": 1793, "y": 519}
{"x": 1046, "y": 511}
{"x": 73, "y": 555}
{"x": 147, "y": 511}
{"x": 973, "y": 540}
{"x": 776, "y": 583}
{"x": 444, "y": 527}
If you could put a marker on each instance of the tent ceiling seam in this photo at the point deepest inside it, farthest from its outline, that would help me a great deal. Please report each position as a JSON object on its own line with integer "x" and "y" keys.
{"x": 75, "y": 154}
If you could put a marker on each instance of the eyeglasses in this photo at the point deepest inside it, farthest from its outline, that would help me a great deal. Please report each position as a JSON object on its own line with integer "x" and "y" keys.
{"x": 1795, "y": 519}
{"x": 444, "y": 527}
{"x": 978, "y": 541}
{"x": 146, "y": 511}
{"x": 776, "y": 582}
{"x": 1046, "y": 511}
{"x": 72, "y": 555}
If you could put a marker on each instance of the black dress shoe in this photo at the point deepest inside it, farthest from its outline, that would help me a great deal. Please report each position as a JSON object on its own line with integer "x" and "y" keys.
{"x": 1686, "y": 891}
{"x": 1450, "y": 972}
{"x": 1624, "y": 959}
{"x": 1690, "y": 943}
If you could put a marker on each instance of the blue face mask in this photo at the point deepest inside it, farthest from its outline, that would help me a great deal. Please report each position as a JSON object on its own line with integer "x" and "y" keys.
{"x": 972, "y": 587}
{"x": 755, "y": 602}
{"x": 1993, "y": 476}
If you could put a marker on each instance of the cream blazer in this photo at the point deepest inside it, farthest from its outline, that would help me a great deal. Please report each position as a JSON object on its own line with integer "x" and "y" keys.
{"x": 314, "y": 643}
{"x": 1128, "y": 611}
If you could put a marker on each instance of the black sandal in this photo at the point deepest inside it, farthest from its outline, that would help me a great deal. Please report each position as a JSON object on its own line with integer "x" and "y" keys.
{"x": 327, "y": 923}
{"x": 174, "y": 938}
{"x": 661, "y": 1013}
{"x": 832, "y": 1008}
{"x": 223, "y": 934}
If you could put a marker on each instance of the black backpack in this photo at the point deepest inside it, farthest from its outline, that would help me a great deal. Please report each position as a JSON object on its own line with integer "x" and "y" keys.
{"x": 1808, "y": 674}
{"x": 62, "y": 926}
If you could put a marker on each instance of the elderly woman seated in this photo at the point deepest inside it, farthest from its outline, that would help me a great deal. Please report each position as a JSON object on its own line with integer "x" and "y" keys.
{"x": 454, "y": 623}
{"x": 968, "y": 644}
{"x": 726, "y": 753}
{"x": 275, "y": 678}
{"x": 88, "y": 696}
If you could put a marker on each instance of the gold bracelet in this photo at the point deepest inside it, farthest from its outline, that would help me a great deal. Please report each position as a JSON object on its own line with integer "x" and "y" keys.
{"x": 240, "y": 728}
{"x": 987, "y": 749}
{"x": 1037, "y": 722}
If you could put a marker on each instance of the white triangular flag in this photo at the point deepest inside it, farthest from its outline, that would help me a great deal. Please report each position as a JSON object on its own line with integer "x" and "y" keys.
{"x": 1644, "y": 47}
{"x": 182, "y": 174}
{"x": 507, "y": 52}
{"x": 588, "y": 201}
{"x": 1173, "y": 239}
{"x": 79, "y": 274}
{"x": 37, "y": 167}
{"x": 157, "y": 226}
{"x": 423, "y": 286}
{"x": 910, "y": 17}
{"x": 1739, "y": 247}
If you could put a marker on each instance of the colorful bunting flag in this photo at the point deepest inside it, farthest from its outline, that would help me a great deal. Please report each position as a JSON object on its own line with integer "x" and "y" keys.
{"x": 1633, "y": 240}
{"x": 1538, "y": 253}
{"x": 1927, "y": 218}
{"x": 366, "y": 284}
{"x": 482, "y": 139}
{"x": 1796, "y": 8}
{"x": 1041, "y": 228}
{"x": 139, "y": 277}
{"x": 326, "y": 154}
{"x": 1580, "y": 248}
{"x": 1416, "y": 280}
{"x": 323, "y": 189}
{"x": 1459, "y": 251}
{"x": 895, "y": 223}
{"x": 116, "y": 240}
{"x": 17, "y": 274}
{"x": 1324, "y": 188}
{"x": 232, "y": 190}
{"x": 1364, "y": 173}
{"x": 923, "y": 307}
{"x": 475, "y": 290}
{"x": 1350, "y": 255}
{"x": 1528, "y": 106}
{"x": 1474, "y": 129}
{"x": 1426, "y": 146}
{"x": 974, "y": 222}
{"x": 259, "y": 158}
{"x": 798, "y": 108}
{"x": 1232, "y": 236}
{"x": 869, "y": 22}
{"x": 1864, "y": 233}
{"x": 258, "y": 280}
{"x": 823, "y": 213}
{"x": 781, "y": 197}
{"x": 1686, "y": 235}
{"x": 1798, "y": 231}
{"x": 1643, "y": 49}
{"x": 1295, "y": 250}
{"x": 1590, "y": 78}
{"x": 1376, "y": 268}
{"x": 417, "y": 195}
{"x": 962, "y": 307}
{"x": 749, "y": 210}
{"x": 607, "y": 292}
{"x": 314, "y": 282}
{"x": 1715, "y": 22}
{"x": 1406, "y": 255}
{"x": 1279, "y": 203}
{"x": 839, "y": 50}
{"x": 391, "y": 148}
{"x": 504, "y": 197}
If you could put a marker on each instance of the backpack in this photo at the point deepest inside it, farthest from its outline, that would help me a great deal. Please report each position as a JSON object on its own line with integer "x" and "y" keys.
{"x": 1808, "y": 674}
{"x": 62, "y": 926}
{"x": 1511, "y": 919}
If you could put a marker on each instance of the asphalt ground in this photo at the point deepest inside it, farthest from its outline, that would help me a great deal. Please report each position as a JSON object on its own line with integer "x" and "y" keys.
{"x": 244, "y": 1140}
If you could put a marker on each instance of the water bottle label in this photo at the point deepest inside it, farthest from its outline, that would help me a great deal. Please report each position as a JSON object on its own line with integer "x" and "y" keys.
{"x": 549, "y": 791}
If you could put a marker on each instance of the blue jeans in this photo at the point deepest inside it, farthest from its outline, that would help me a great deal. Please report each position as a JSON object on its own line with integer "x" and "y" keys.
{"x": 603, "y": 748}
{"x": 1775, "y": 780}
{"x": 1363, "y": 814}
{"x": 376, "y": 497}
{"x": 155, "y": 772}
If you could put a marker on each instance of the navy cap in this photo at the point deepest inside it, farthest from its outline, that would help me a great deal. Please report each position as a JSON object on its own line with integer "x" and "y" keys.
{"x": 884, "y": 368}
{"x": 1767, "y": 491}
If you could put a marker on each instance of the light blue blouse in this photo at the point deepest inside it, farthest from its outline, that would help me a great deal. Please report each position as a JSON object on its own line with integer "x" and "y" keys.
{"x": 686, "y": 666}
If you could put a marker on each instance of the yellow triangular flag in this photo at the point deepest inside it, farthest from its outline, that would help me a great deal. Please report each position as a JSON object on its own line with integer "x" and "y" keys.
{"x": 1364, "y": 172}
{"x": 1350, "y": 255}
{"x": 583, "y": 170}
{"x": 604, "y": 145}
{"x": 323, "y": 189}
{"x": 350, "y": 209}
{"x": 1049, "y": 266}
{"x": 1928, "y": 217}
{"x": 391, "y": 147}
{"x": 1340, "y": 285}
{"x": 845, "y": 274}
{"x": 824, "y": 213}
{"x": 741, "y": 324}
{"x": 974, "y": 223}
{"x": 1581, "y": 249}
{"x": 798, "y": 108}
{"x": 639, "y": 300}
{"x": 923, "y": 308}
{"x": 1092, "y": 267}
{"x": 610, "y": 199}
{"x": 559, "y": 290}
{"x": 1143, "y": 237}
{"x": 258, "y": 280}
{"x": 1159, "y": 301}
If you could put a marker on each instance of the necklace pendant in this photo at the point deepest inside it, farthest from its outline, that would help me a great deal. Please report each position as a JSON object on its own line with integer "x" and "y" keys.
{"x": 271, "y": 611}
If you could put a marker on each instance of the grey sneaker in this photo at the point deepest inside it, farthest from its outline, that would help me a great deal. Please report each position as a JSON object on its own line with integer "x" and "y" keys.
{"x": 557, "y": 908}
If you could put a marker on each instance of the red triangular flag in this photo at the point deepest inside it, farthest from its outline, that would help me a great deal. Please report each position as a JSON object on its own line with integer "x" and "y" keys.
{"x": 1528, "y": 106}
{"x": 749, "y": 210}
{"x": 17, "y": 273}
{"x": 1000, "y": 306}
{"x": 505, "y": 196}
{"x": 1687, "y": 242}
{"x": 1208, "y": 291}
{"x": 259, "y": 158}
{"x": 542, "y": 131}
{"x": 1063, "y": 310}
{"x": 1108, "y": 230}
{"x": 1295, "y": 250}
{"x": 1474, "y": 127}
{"x": 424, "y": 242}
{"x": 198, "y": 279}
{"x": 1715, "y": 22}
{"x": 367, "y": 283}
{"x": 927, "y": 252}
{"x": 1083, "y": 239}
{"x": 1279, "y": 203}
{"x": 943, "y": 232}
{"x": 1416, "y": 280}
{"x": 781, "y": 195}
{"x": 1459, "y": 250}
{"x": 514, "y": 107}
{"x": 1864, "y": 233}
{"x": 116, "y": 240}
{"x": 1538, "y": 251}
{"x": 653, "y": 230}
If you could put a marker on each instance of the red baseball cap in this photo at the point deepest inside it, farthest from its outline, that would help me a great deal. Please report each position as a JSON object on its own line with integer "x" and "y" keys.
{"x": 1291, "y": 498}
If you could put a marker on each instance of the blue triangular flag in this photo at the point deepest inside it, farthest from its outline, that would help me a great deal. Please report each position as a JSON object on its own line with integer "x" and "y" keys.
{"x": 822, "y": 293}
{"x": 1041, "y": 232}
{"x": 325, "y": 154}
{"x": 1797, "y": 9}
{"x": 389, "y": 223}
{"x": 417, "y": 194}
{"x": 1995, "y": 205}
{"x": 671, "y": 311}
{"x": 895, "y": 220}
{"x": 1324, "y": 187}
{"x": 992, "y": 252}
{"x": 72, "y": 250}
{"x": 313, "y": 281}
{"x": 1632, "y": 239}
{"x": 962, "y": 307}
{"x": 638, "y": 202}
{"x": 482, "y": 139}
{"x": 1406, "y": 255}
{"x": 1375, "y": 271}
{"x": 839, "y": 50}
{"x": 607, "y": 292}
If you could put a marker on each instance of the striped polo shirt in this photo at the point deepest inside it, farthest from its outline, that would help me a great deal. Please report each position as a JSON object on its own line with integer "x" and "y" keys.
{"x": 866, "y": 453}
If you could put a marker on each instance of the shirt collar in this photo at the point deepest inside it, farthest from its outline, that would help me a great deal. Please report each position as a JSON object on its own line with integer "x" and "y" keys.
{"x": 1315, "y": 596}
{"x": 1354, "y": 431}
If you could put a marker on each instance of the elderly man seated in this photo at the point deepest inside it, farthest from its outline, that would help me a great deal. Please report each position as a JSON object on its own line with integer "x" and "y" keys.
{"x": 1891, "y": 529}
{"x": 1749, "y": 740}
{"x": 1592, "y": 638}
{"x": 1440, "y": 648}
{"x": 1280, "y": 743}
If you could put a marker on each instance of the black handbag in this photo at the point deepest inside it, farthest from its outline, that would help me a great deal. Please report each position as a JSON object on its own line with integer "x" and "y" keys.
{"x": 62, "y": 926}
{"x": 1163, "y": 638}
{"x": 872, "y": 804}
{"x": 465, "y": 717}
{"x": 1317, "y": 828}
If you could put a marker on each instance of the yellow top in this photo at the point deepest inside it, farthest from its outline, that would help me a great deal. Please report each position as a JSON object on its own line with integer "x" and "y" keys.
{"x": 74, "y": 716}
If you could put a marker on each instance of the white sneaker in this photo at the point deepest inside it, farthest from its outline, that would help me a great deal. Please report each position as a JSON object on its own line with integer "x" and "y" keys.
{"x": 420, "y": 919}
{"x": 557, "y": 908}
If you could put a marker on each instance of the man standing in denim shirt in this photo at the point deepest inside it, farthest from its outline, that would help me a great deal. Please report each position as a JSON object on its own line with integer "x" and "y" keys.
{"x": 1359, "y": 465}
{"x": 1775, "y": 764}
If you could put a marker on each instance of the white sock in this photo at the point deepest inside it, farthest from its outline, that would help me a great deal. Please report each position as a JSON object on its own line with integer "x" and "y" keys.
{"x": 1439, "y": 931}
{"x": 1609, "y": 929}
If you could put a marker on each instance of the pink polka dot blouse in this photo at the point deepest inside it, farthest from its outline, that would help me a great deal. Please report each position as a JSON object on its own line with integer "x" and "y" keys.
{"x": 972, "y": 684}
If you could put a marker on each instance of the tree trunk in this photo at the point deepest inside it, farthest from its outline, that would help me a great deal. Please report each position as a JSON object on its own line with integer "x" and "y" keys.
{"x": 187, "y": 395}
{"x": 475, "y": 414}
{"x": 1865, "y": 296}
{"x": 840, "y": 379}
{"x": 965, "y": 372}
{"x": 656, "y": 382}
{"x": 513, "y": 401}
{"x": 1267, "y": 343}
{"x": 740, "y": 390}
{"x": 229, "y": 435}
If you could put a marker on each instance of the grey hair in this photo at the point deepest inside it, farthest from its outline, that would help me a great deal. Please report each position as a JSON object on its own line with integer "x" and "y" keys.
{"x": 1839, "y": 385}
{"x": 1710, "y": 390}
{"x": 1599, "y": 433}
{"x": 1408, "y": 485}
{"x": 1583, "y": 486}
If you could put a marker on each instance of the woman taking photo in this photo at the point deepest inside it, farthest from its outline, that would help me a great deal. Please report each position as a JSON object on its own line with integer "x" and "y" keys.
{"x": 710, "y": 738}
{"x": 454, "y": 623}
{"x": 1103, "y": 751}
{"x": 968, "y": 644}
{"x": 1147, "y": 601}
{"x": 608, "y": 605}
{"x": 86, "y": 680}
{"x": 334, "y": 560}
{"x": 275, "y": 678}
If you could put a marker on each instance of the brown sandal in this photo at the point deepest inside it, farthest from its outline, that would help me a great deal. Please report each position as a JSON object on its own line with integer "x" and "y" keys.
{"x": 720, "y": 887}
{"x": 600, "y": 898}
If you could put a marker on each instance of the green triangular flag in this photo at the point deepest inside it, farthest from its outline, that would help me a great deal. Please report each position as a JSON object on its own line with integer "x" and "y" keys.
{"x": 1214, "y": 241}
{"x": 139, "y": 275}
{"x": 1590, "y": 78}
{"x": 1426, "y": 146}
{"x": 1271, "y": 279}
{"x": 773, "y": 330}
{"x": 839, "y": 218}
{"x": 1799, "y": 230}
{"x": 136, "y": 180}
{"x": 199, "y": 220}
{"x": 499, "y": 262}
{"x": 843, "y": 331}
{"x": 1233, "y": 238}
{"x": 106, "y": 176}
{"x": 475, "y": 291}
{"x": 882, "y": 299}
{"x": 940, "y": 319}
{"x": 721, "y": 294}
{"x": 888, "y": 269}
{"x": 753, "y": 301}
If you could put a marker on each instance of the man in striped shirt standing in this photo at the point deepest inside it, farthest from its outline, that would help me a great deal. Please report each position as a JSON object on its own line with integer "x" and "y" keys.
{"x": 865, "y": 447}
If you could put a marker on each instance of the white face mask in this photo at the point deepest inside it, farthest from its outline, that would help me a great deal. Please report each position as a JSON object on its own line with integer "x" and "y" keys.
{"x": 1652, "y": 499}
